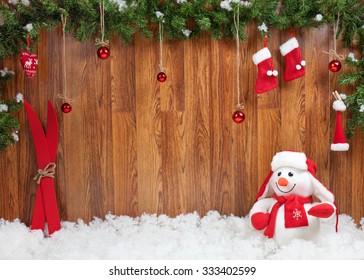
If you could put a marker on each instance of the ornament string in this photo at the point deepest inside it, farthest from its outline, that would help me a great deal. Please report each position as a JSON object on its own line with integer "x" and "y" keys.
{"x": 102, "y": 42}
{"x": 240, "y": 105}
{"x": 333, "y": 51}
{"x": 64, "y": 22}
{"x": 161, "y": 44}
{"x": 291, "y": 31}
{"x": 28, "y": 43}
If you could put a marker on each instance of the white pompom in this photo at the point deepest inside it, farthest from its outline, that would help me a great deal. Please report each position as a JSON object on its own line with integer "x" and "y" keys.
{"x": 298, "y": 67}
{"x": 269, "y": 72}
{"x": 339, "y": 105}
{"x": 303, "y": 62}
{"x": 275, "y": 73}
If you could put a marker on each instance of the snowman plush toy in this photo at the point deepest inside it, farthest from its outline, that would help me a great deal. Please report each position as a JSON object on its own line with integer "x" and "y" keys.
{"x": 291, "y": 213}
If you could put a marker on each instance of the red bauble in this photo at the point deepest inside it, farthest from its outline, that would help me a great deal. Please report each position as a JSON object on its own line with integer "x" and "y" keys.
{"x": 161, "y": 77}
{"x": 334, "y": 65}
{"x": 66, "y": 108}
{"x": 103, "y": 52}
{"x": 238, "y": 116}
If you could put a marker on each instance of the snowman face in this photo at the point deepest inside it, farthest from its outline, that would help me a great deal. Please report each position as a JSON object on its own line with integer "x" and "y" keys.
{"x": 287, "y": 180}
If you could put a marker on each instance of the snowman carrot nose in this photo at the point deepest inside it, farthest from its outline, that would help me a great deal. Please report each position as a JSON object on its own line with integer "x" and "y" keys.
{"x": 283, "y": 182}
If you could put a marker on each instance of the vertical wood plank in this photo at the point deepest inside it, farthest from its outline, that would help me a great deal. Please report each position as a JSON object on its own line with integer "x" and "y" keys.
{"x": 124, "y": 133}
{"x": 357, "y": 179}
{"x": 122, "y": 63}
{"x": 148, "y": 121}
{"x": 10, "y": 167}
{"x": 100, "y": 128}
{"x": 292, "y": 103}
{"x": 222, "y": 185}
{"x": 76, "y": 155}
{"x": 197, "y": 73}
{"x": 317, "y": 102}
{"x": 174, "y": 163}
{"x": 172, "y": 93}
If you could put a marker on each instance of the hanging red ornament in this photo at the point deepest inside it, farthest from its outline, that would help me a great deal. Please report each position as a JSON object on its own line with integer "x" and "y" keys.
{"x": 238, "y": 116}
{"x": 334, "y": 65}
{"x": 66, "y": 108}
{"x": 161, "y": 77}
{"x": 103, "y": 52}
{"x": 29, "y": 61}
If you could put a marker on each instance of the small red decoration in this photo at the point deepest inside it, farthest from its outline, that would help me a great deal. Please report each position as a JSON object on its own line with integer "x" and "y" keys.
{"x": 238, "y": 116}
{"x": 29, "y": 61}
{"x": 103, "y": 52}
{"x": 66, "y": 108}
{"x": 161, "y": 77}
{"x": 334, "y": 65}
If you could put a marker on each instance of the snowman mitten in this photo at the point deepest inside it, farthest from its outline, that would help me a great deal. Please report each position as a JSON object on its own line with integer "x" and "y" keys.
{"x": 323, "y": 210}
{"x": 267, "y": 76}
{"x": 260, "y": 220}
{"x": 295, "y": 64}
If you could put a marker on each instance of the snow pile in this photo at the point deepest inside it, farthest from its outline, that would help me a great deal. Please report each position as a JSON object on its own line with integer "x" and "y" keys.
{"x": 185, "y": 237}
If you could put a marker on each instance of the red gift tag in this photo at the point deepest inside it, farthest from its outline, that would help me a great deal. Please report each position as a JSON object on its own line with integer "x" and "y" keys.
{"x": 29, "y": 61}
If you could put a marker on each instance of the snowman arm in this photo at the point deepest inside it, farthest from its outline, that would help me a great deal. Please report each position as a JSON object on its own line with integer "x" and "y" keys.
{"x": 323, "y": 210}
{"x": 259, "y": 214}
{"x": 262, "y": 205}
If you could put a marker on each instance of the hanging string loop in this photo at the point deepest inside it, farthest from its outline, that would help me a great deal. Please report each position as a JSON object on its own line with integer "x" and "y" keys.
{"x": 64, "y": 96}
{"x": 333, "y": 51}
{"x": 102, "y": 42}
{"x": 240, "y": 104}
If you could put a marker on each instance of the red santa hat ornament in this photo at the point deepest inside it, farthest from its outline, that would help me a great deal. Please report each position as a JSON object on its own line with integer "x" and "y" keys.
{"x": 339, "y": 143}
{"x": 299, "y": 161}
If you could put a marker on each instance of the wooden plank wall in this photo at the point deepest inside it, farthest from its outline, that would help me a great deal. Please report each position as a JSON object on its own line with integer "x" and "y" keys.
{"x": 132, "y": 145}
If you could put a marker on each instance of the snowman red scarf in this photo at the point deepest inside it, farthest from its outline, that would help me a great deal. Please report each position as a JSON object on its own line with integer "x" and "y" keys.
{"x": 294, "y": 212}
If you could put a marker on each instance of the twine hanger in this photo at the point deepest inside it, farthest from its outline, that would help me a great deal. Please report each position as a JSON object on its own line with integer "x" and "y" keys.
{"x": 161, "y": 68}
{"x": 240, "y": 103}
{"x": 102, "y": 42}
{"x": 64, "y": 22}
{"x": 333, "y": 51}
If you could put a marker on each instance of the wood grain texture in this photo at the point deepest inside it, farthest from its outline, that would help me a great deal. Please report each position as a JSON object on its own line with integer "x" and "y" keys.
{"x": 132, "y": 145}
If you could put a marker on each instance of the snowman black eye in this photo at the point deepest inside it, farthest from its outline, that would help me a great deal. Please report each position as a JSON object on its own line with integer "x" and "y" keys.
{"x": 290, "y": 174}
{"x": 279, "y": 173}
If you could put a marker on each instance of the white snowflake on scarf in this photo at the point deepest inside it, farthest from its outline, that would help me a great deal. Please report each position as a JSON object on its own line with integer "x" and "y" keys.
{"x": 297, "y": 214}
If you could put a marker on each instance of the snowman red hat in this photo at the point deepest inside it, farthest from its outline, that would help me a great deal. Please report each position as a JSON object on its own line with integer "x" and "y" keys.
{"x": 299, "y": 161}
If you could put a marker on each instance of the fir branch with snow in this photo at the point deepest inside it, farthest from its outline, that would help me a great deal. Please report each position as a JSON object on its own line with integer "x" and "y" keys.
{"x": 9, "y": 123}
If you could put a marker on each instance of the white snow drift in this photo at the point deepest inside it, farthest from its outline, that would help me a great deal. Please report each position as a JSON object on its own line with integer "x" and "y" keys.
{"x": 185, "y": 237}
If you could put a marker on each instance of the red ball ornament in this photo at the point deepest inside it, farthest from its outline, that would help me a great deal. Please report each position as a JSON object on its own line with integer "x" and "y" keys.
{"x": 161, "y": 77}
{"x": 66, "y": 108}
{"x": 238, "y": 116}
{"x": 103, "y": 52}
{"x": 334, "y": 65}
